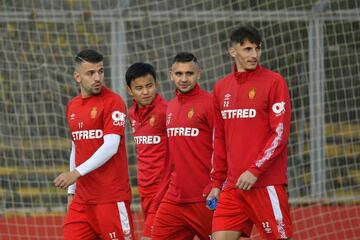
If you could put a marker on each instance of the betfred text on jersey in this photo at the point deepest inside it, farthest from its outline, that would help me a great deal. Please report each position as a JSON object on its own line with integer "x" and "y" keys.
{"x": 147, "y": 139}
{"x": 238, "y": 113}
{"x": 188, "y": 132}
{"x": 87, "y": 134}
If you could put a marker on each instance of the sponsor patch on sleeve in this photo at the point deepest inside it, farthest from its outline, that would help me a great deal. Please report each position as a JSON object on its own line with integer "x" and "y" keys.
{"x": 118, "y": 118}
{"x": 278, "y": 108}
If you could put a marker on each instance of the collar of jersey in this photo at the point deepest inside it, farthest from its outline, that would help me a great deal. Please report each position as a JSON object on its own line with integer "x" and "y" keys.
{"x": 243, "y": 76}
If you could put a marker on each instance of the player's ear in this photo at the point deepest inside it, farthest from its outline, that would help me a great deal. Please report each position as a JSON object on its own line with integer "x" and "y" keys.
{"x": 129, "y": 91}
{"x": 157, "y": 85}
{"x": 170, "y": 75}
{"x": 77, "y": 77}
{"x": 232, "y": 51}
{"x": 199, "y": 74}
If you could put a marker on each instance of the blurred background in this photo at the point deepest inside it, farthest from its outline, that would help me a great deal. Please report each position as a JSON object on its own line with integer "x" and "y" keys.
{"x": 314, "y": 44}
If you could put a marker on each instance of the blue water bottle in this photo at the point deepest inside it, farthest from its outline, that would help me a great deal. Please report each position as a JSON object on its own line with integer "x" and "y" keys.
{"x": 211, "y": 203}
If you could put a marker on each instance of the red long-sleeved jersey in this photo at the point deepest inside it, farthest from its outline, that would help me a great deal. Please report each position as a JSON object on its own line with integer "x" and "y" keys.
{"x": 149, "y": 130}
{"x": 89, "y": 120}
{"x": 190, "y": 132}
{"x": 252, "y": 124}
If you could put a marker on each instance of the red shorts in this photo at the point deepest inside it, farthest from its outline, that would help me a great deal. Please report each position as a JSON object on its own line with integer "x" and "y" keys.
{"x": 106, "y": 221}
{"x": 182, "y": 221}
{"x": 266, "y": 207}
{"x": 148, "y": 215}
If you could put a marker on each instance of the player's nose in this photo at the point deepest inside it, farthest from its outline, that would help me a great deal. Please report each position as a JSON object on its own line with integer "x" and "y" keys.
{"x": 97, "y": 77}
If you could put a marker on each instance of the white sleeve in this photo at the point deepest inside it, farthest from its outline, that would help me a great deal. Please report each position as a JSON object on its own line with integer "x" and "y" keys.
{"x": 108, "y": 149}
{"x": 71, "y": 188}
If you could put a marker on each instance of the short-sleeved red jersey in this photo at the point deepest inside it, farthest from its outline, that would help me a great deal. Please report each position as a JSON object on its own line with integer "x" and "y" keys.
{"x": 89, "y": 120}
{"x": 190, "y": 133}
{"x": 149, "y": 130}
{"x": 252, "y": 125}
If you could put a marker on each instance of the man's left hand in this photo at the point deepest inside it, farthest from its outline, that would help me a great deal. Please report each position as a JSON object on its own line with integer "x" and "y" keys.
{"x": 246, "y": 181}
{"x": 66, "y": 179}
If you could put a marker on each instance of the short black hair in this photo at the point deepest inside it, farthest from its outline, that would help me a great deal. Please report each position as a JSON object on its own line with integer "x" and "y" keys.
{"x": 139, "y": 69}
{"x": 88, "y": 55}
{"x": 185, "y": 57}
{"x": 243, "y": 33}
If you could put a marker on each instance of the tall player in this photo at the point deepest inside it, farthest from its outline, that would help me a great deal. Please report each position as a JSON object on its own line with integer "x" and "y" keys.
{"x": 100, "y": 200}
{"x": 252, "y": 124}
{"x": 147, "y": 117}
{"x": 182, "y": 213}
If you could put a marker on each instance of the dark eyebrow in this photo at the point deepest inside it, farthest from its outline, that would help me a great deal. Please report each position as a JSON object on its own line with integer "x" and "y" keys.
{"x": 93, "y": 71}
{"x": 90, "y": 71}
{"x": 184, "y": 72}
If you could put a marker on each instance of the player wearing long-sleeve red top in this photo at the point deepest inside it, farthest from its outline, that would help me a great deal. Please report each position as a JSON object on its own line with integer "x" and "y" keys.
{"x": 99, "y": 191}
{"x": 183, "y": 213}
{"x": 147, "y": 117}
{"x": 252, "y": 123}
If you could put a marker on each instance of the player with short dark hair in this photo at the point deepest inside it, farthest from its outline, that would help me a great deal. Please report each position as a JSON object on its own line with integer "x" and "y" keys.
{"x": 182, "y": 213}
{"x": 139, "y": 69}
{"x": 252, "y": 125}
{"x": 98, "y": 181}
{"x": 147, "y": 117}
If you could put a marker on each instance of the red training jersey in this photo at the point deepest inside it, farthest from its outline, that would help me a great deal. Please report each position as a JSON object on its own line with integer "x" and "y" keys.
{"x": 89, "y": 120}
{"x": 252, "y": 125}
{"x": 190, "y": 131}
{"x": 149, "y": 130}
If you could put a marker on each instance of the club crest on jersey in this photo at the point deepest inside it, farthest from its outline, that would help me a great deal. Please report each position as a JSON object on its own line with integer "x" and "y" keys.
{"x": 191, "y": 113}
{"x": 252, "y": 93}
{"x": 93, "y": 112}
{"x": 152, "y": 120}
{"x": 118, "y": 118}
{"x": 72, "y": 116}
{"x": 227, "y": 99}
{"x": 168, "y": 119}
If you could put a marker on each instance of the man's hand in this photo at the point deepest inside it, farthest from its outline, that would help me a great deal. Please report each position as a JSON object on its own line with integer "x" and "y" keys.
{"x": 66, "y": 179}
{"x": 214, "y": 193}
{"x": 246, "y": 181}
